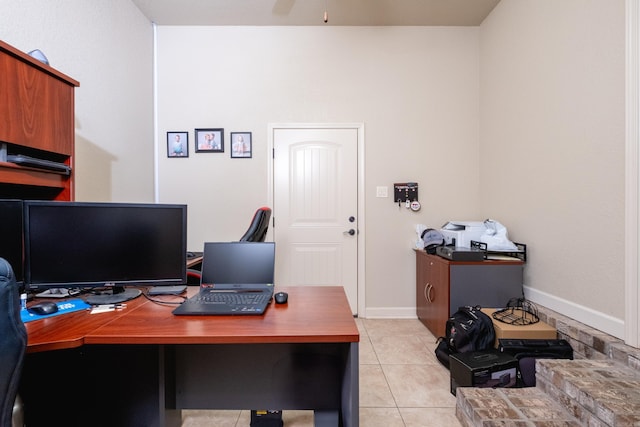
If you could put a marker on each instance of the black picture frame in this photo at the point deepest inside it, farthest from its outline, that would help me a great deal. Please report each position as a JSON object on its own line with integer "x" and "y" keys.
{"x": 210, "y": 140}
{"x": 177, "y": 144}
{"x": 241, "y": 145}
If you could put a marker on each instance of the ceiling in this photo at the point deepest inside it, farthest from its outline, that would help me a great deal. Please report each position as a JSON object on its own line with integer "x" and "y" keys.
{"x": 311, "y": 12}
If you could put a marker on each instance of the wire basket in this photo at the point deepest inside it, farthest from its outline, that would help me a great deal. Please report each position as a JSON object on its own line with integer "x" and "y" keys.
{"x": 518, "y": 312}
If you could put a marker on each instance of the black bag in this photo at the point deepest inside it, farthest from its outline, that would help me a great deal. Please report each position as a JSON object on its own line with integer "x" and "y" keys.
{"x": 527, "y": 351}
{"x": 468, "y": 329}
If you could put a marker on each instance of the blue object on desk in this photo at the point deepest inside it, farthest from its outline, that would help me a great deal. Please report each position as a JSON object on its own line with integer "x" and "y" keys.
{"x": 64, "y": 307}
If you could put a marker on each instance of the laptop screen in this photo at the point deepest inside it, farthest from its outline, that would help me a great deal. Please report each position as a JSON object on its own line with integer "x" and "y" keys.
{"x": 238, "y": 263}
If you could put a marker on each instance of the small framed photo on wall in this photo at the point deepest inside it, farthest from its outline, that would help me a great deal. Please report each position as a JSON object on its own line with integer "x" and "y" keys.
{"x": 210, "y": 140}
{"x": 177, "y": 144}
{"x": 241, "y": 145}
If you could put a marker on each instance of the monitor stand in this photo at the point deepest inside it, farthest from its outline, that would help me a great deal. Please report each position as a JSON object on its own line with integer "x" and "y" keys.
{"x": 117, "y": 295}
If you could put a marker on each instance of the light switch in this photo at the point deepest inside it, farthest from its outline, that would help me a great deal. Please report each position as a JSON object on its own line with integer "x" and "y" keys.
{"x": 382, "y": 191}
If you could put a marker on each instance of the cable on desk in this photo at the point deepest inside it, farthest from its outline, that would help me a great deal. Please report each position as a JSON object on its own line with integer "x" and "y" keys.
{"x": 161, "y": 301}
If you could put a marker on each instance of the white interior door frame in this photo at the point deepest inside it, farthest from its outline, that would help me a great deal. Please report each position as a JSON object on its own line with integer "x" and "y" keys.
{"x": 632, "y": 177}
{"x": 359, "y": 127}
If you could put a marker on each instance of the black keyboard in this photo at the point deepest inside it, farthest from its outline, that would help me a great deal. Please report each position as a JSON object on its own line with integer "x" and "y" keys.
{"x": 231, "y": 298}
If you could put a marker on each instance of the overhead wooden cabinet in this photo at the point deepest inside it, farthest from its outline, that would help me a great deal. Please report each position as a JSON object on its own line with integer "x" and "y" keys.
{"x": 442, "y": 286}
{"x": 36, "y": 120}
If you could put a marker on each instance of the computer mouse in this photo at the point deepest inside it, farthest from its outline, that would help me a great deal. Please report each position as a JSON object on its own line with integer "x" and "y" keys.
{"x": 43, "y": 308}
{"x": 281, "y": 297}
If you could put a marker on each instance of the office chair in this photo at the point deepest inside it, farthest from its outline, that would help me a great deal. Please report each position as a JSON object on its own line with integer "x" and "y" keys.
{"x": 13, "y": 341}
{"x": 257, "y": 230}
{"x": 193, "y": 277}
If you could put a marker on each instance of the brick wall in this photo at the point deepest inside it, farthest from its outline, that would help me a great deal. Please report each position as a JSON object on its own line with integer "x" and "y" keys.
{"x": 590, "y": 343}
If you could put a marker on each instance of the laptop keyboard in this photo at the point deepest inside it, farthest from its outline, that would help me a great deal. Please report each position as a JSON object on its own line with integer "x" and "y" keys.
{"x": 231, "y": 298}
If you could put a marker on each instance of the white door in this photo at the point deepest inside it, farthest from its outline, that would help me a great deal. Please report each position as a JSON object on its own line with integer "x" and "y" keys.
{"x": 315, "y": 207}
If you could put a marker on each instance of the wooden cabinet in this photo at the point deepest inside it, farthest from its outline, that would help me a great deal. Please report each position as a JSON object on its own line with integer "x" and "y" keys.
{"x": 36, "y": 120}
{"x": 442, "y": 286}
{"x": 432, "y": 291}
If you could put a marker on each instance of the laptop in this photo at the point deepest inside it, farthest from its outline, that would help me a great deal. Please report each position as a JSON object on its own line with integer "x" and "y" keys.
{"x": 237, "y": 279}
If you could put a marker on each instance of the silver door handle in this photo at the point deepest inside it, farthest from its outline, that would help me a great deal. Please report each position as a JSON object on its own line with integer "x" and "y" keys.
{"x": 350, "y": 232}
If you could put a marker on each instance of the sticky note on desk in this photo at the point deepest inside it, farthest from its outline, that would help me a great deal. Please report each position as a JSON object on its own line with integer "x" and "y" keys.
{"x": 64, "y": 307}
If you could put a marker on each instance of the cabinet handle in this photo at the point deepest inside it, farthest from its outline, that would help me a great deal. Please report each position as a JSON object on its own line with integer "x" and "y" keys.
{"x": 427, "y": 292}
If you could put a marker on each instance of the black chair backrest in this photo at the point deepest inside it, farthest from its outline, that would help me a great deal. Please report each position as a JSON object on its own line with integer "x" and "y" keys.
{"x": 13, "y": 342}
{"x": 257, "y": 231}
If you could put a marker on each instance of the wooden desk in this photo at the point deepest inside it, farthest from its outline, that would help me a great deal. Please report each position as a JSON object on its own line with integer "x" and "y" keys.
{"x": 149, "y": 364}
{"x": 194, "y": 262}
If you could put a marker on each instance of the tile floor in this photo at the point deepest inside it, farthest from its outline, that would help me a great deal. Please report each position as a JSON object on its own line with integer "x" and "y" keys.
{"x": 402, "y": 383}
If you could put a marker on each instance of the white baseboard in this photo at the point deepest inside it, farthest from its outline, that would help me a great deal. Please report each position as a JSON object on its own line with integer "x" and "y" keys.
{"x": 390, "y": 313}
{"x": 595, "y": 319}
{"x": 600, "y": 321}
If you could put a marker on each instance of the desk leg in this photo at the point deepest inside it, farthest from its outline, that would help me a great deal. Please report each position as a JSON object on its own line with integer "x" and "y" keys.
{"x": 350, "y": 396}
{"x": 326, "y": 418}
{"x": 168, "y": 415}
{"x": 351, "y": 388}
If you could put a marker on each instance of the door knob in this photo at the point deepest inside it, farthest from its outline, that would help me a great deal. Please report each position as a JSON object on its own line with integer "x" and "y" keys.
{"x": 350, "y": 232}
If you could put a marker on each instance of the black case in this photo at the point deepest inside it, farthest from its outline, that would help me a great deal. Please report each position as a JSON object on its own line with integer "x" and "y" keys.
{"x": 527, "y": 351}
{"x": 488, "y": 368}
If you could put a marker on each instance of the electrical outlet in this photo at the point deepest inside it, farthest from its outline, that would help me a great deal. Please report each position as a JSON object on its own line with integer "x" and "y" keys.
{"x": 382, "y": 191}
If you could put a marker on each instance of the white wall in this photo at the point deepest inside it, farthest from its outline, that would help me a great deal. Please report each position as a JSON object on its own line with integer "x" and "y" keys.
{"x": 415, "y": 90}
{"x": 521, "y": 120}
{"x": 107, "y": 47}
{"x": 552, "y": 148}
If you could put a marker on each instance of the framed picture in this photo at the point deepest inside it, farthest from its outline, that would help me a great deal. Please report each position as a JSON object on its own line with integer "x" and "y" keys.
{"x": 177, "y": 144}
{"x": 241, "y": 145}
{"x": 210, "y": 140}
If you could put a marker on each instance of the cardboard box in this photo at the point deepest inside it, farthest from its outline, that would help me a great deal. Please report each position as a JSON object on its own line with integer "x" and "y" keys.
{"x": 488, "y": 368}
{"x": 539, "y": 330}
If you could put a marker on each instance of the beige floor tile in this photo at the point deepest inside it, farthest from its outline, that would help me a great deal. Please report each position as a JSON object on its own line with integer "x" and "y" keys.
{"x": 207, "y": 418}
{"x": 367, "y": 354}
{"x": 401, "y": 349}
{"x": 374, "y": 391}
{"x": 419, "y": 386}
{"x": 390, "y": 327}
{"x": 429, "y": 340}
{"x": 244, "y": 419}
{"x": 429, "y": 417}
{"x": 380, "y": 417}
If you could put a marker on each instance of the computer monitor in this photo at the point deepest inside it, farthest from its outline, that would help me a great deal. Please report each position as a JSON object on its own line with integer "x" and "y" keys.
{"x": 77, "y": 245}
{"x": 11, "y": 236}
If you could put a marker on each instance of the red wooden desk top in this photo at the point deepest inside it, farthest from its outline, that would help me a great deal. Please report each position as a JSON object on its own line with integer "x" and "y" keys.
{"x": 69, "y": 330}
{"x": 314, "y": 314}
